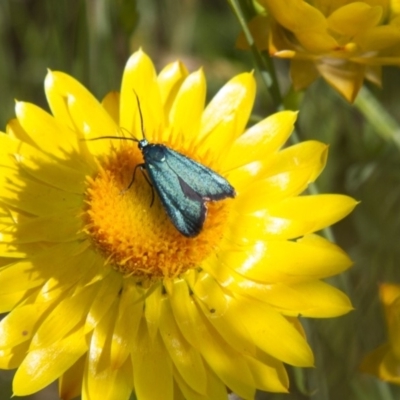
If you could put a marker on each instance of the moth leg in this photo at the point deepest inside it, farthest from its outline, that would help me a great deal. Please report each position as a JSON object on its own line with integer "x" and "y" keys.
{"x": 148, "y": 181}
{"x": 132, "y": 180}
{"x": 141, "y": 166}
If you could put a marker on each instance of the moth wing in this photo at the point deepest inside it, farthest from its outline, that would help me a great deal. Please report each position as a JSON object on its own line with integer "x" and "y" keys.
{"x": 184, "y": 206}
{"x": 203, "y": 180}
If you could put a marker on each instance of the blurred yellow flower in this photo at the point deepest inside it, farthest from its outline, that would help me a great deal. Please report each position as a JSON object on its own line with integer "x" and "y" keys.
{"x": 107, "y": 296}
{"x": 384, "y": 362}
{"x": 343, "y": 41}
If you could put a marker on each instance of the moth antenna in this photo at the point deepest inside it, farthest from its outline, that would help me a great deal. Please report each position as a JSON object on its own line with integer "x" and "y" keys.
{"x": 141, "y": 115}
{"x": 109, "y": 137}
{"x": 121, "y": 129}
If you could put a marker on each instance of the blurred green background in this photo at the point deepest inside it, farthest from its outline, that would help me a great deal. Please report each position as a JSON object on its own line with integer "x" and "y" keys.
{"x": 92, "y": 39}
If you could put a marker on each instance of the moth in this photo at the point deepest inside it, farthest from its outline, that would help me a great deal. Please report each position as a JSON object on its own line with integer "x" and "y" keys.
{"x": 183, "y": 185}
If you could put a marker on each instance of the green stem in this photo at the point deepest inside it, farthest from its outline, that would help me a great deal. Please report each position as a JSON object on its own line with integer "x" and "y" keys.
{"x": 373, "y": 111}
{"x": 262, "y": 60}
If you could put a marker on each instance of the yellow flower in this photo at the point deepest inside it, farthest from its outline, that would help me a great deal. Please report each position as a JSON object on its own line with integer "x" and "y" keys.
{"x": 384, "y": 362}
{"x": 105, "y": 294}
{"x": 343, "y": 41}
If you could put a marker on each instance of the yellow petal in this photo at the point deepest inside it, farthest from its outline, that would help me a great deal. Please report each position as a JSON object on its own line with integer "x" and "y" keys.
{"x": 121, "y": 386}
{"x": 87, "y": 114}
{"x": 389, "y": 368}
{"x": 19, "y": 276}
{"x": 220, "y": 139}
{"x": 16, "y": 251}
{"x": 9, "y": 300}
{"x": 39, "y": 199}
{"x": 55, "y": 228}
{"x": 264, "y": 226}
{"x": 269, "y": 375}
{"x": 20, "y": 325}
{"x": 389, "y": 293}
{"x": 295, "y": 15}
{"x": 305, "y": 21}
{"x": 16, "y": 132}
{"x": 188, "y": 107}
{"x": 272, "y": 333}
{"x": 211, "y": 294}
{"x": 182, "y": 307}
{"x": 269, "y": 262}
{"x": 282, "y": 175}
{"x": 57, "y": 100}
{"x": 291, "y": 217}
{"x": 169, "y": 81}
{"x": 344, "y": 76}
{"x": 45, "y": 131}
{"x": 43, "y": 366}
{"x": 68, "y": 314}
{"x": 282, "y": 297}
{"x": 392, "y": 314}
{"x": 149, "y": 354}
{"x": 240, "y": 177}
{"x": 102, "y": 300}
{"x": 111, "y": 105}
{"x": 69, "y": 255}
{"x": 324, "y": 301}
{"x": 261, "y": 139}
{"x": 272, "y": 189}
{"x": 303, "y": 73}
{"x": 91, "y": 127}
{"x": 152, "y": 309}
{"x": 265, "y": 192}
{"x": 378, "y": 38}
{"x": 315, "y": 152}
{"x": 140, "y": 79}
{"x": 315, "y": 41}
{"x": 70, "y": 383}
{"x": 186, "y": 359}
{"x": 215, "y": 304}
{"x": 69, "y": 176}
{"x": 354, "y": 17}
{"x": 225, "y": 361}
{"x": 216, "y": 390}
{"x": 12, "y": 358}
{"x": 371, "y": 363}
{"x": 228, "y": 364}
{"x": 24, "y": 275}
{"x": 126, "y": 325}
{"x": 98, "y": 360}
{"x": 237, "y": 94}
{"x": 280, "y": 44}
{"x": 318, "y": 210}
{"x": 101, "y": 381}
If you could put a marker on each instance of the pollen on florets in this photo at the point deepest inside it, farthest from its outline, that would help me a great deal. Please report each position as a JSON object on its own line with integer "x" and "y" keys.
{"x": 135, "y": 236}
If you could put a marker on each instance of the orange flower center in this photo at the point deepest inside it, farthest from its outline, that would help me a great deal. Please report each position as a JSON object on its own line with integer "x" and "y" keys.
{"x": 136, "y": 237}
